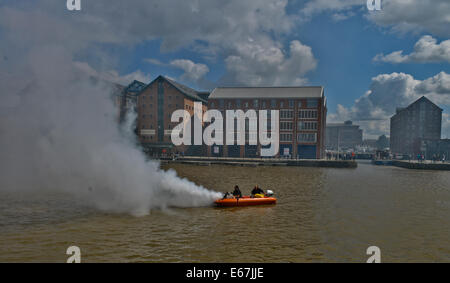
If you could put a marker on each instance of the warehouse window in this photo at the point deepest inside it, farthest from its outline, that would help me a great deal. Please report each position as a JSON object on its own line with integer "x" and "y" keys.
{"x": 286, "y": 137}
{"x": 307, "y": 137}
{"x": 312, "y": 103}
{"x": 307, "y": 114}
{"x": 286, "y": 114}
{"x": 286, "y": 126}
{"x": 307, "y": 125}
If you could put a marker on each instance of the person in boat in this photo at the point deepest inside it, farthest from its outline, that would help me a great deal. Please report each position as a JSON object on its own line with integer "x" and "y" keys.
{"x": 257, "y": 192}
{"x": 237, "y": 192}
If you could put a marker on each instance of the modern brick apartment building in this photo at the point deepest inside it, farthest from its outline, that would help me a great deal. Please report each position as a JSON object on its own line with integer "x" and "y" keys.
{"x": 155, "y": 104}
{"x": 302, "y": 118}
{"x": 411, "y": 126}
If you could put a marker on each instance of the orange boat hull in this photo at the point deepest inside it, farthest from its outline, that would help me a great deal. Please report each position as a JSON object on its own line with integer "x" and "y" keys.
{"x": 245, "y": 201}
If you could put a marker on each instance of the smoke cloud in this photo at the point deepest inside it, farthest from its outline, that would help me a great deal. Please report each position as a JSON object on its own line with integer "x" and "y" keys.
{"x": 59, "y": 132}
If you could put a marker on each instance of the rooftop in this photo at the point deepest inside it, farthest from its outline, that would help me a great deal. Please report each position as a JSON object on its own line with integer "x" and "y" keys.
{"x": 344, "y": 124}
{"x": 135, "y": 86}
{"x": 189, "y": 92}
{"x": 423, "y": 99}
{"x": 267, "y": 92}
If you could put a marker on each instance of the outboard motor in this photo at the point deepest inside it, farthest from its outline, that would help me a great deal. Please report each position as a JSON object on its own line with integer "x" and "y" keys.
{"x": 269, "y": 193}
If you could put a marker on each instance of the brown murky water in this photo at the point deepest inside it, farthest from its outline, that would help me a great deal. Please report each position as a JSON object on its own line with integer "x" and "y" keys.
{"x": 323, "y": 215}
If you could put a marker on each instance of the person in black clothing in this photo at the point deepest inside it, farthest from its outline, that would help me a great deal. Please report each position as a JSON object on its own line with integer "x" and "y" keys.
{"x": 257, "y": 190}
{"x": 237, "y": 192}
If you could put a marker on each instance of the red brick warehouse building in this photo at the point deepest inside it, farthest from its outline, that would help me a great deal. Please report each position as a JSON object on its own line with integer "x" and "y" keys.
{"x": 155, "y": 104}
{"x": 302, "y": 118}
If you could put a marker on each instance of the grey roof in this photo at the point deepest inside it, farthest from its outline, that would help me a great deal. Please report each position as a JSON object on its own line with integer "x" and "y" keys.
{"x": 204, "y": 94}
{"x": 425, "y": 99}
{"x": 341, "y": 125}
{"x": 267, "y": 92}
{"x": 135, "y": 86}
{"x": 186, "y": 90}
{"x": 399, "y": 110}
{"x": 189, "y": 92}
{"x": 347, "y": 123}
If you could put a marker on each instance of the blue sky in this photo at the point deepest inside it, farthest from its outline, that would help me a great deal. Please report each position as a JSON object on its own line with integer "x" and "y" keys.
{"x": 368, "y": 61}
{"x": 344, "y": 50}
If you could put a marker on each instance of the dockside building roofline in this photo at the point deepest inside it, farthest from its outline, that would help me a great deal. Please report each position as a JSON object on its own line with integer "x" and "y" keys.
{"x": 201, "y": 96}
{"x": 342, "y": 125}
{"x": 423, "y": 98}
{"x": 267, "y": 92}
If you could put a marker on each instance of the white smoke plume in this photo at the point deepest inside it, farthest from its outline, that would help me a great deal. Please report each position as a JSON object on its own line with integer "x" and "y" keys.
{"x": 58, "y": 131}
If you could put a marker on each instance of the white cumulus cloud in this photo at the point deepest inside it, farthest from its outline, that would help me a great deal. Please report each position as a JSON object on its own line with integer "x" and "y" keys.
{"x": 255, "y": 64}
{"x": 425, "y": 50}
{"x": 401, "y": 16}
{"x": 414, "y": 16}
{"x": 389, "y": 91}
{"x": 192, "y": 71}
{"x": 215, "y": 29}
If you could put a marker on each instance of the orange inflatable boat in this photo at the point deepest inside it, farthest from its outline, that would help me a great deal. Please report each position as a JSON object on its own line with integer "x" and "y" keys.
{"x": 245, "y": 201}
